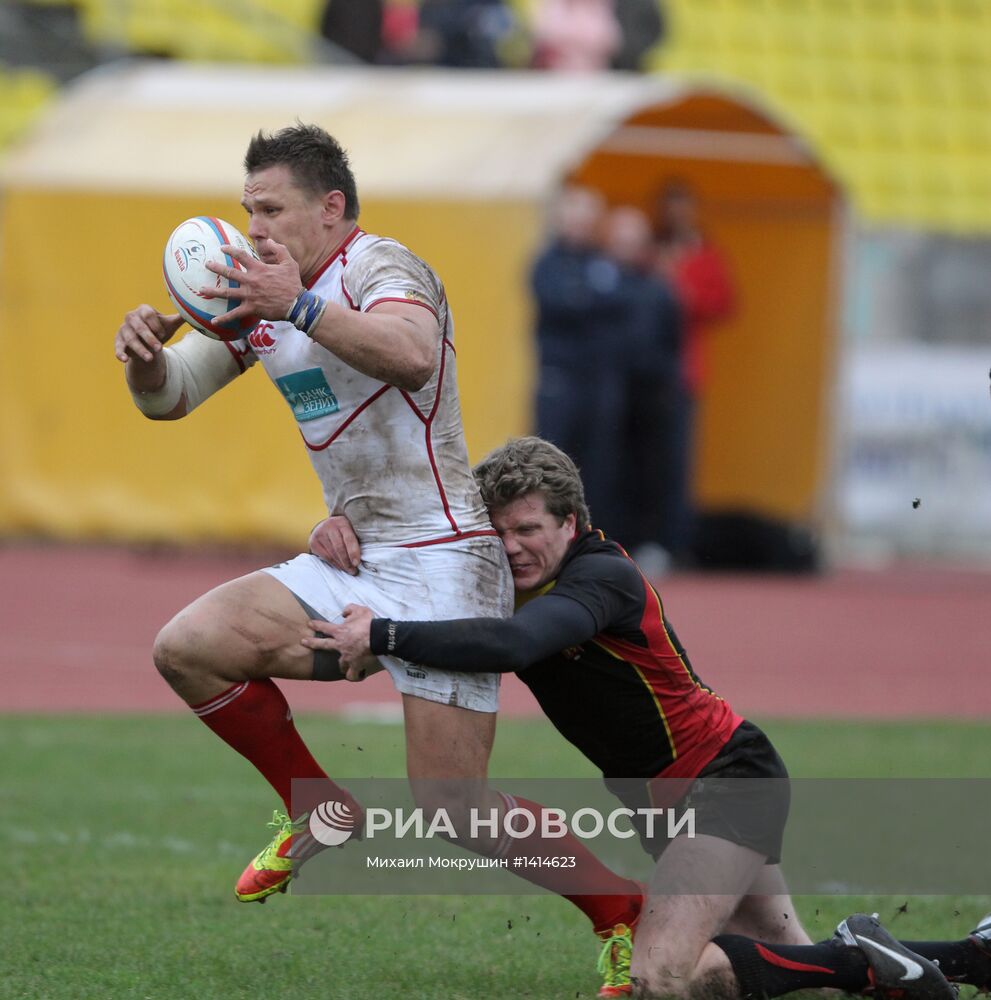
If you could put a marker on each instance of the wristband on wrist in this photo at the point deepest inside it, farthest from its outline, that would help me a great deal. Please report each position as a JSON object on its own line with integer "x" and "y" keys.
{"x": 306, "y": 310}
{"x": 382, "y": 636}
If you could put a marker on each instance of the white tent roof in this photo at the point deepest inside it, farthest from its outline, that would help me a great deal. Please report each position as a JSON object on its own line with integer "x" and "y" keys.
{"x": 177, "y": 127}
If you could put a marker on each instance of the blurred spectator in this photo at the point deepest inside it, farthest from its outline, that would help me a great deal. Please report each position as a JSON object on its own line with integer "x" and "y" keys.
{"x": 572, "y": 284}
{"x": 641, "y": 26}
{"x": 698, "y": 271}
{"x": 701, "y": 278}
{"x": 609, "y": 383}
{"x": 646, "y": 507}
{"x": 400, "y": 31}
{"x": 354, "y": 26}
{"x": 578, "y": 35}
{"x": 477, "y": 34}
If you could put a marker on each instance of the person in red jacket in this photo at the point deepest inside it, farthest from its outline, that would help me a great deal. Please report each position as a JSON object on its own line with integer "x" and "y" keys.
{"x": 699, "y": 274}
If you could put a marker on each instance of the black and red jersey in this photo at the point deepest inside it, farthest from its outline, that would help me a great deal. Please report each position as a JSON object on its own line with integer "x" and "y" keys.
{"x": 627, "y": 697}
{"x": 596, "y": 650}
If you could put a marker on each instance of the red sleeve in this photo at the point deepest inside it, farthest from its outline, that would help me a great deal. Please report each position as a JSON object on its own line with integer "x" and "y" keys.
{"x": 705, "y": 286}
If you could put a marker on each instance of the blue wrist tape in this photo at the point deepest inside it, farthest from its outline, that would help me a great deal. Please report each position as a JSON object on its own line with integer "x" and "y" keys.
{"x": 306, "y": 310}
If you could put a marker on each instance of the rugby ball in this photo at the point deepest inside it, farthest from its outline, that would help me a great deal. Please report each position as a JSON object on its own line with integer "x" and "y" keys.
{"x": 187, "y": 250}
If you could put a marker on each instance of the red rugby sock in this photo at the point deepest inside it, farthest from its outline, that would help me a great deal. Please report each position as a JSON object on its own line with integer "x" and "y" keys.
{"x": 608, "y": 899}
{"x": 254, "y": 718}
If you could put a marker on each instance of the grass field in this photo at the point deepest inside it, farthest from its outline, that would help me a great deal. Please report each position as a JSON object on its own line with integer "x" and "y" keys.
{"x": 122, "y": 837}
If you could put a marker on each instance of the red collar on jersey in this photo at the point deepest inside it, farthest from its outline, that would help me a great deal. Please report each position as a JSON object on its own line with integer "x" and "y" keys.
{"x": 348, "y": 240}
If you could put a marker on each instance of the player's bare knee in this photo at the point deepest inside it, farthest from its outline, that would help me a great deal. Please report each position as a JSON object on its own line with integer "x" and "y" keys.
{"x": 674, "y": 980}
{"x": 172, "y": 654}
{"x": 656, "y": 986}
{"x": 209, "y": 639}
{"x": 662, "y": 970}
{"x": 184, "y": 649}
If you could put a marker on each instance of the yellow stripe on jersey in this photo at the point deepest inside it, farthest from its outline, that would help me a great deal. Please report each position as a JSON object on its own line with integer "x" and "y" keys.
{"x": 532, "y": 595}
{"x": 667, "y": 635}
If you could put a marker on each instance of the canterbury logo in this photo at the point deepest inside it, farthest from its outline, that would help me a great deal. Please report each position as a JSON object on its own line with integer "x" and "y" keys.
{"x": 260, "y": 338}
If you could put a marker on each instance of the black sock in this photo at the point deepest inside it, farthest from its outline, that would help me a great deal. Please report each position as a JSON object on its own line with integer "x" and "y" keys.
{"x": 961, "y": 961}
{"x": 769, "y": 970}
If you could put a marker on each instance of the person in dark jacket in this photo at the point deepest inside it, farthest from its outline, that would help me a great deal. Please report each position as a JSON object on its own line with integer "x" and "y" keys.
{"x": 573, "y": 286}
{"x": 639, "y": 504}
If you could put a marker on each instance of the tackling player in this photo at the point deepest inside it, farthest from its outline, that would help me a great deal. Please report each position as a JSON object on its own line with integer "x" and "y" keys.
{"x": 591, "y": 640}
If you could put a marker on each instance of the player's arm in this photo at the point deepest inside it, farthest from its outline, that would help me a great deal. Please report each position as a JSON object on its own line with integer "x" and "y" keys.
{"x": 139, "y": 345}
{"x": 541, "y": 628}
{"x": 166, "y": 383}
{"x": 395, "y": 342}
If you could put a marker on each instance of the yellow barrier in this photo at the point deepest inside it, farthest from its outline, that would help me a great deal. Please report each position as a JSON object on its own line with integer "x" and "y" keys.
{"x": 77, "y": 459}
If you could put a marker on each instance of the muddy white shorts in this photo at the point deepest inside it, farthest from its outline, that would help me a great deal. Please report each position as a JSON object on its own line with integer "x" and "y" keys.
{"x": 463, "y": 579}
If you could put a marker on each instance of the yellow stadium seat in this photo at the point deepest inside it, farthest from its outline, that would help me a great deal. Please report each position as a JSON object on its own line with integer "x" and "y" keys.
{"x": 23, "y": 93}
{"x": 262, "y": 31}
{"x": 862, "y": 79}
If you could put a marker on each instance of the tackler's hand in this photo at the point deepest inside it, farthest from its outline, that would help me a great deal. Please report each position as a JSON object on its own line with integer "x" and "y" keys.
{"x": 350, "y": 638}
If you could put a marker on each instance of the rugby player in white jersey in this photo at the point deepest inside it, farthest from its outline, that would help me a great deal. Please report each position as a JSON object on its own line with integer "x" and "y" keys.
{"x": 356, "y": 333}
{"x": 365, "y": 361}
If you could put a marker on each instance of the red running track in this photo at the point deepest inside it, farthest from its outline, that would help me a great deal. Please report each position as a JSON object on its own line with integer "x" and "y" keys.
{"x": 77, "y": 624}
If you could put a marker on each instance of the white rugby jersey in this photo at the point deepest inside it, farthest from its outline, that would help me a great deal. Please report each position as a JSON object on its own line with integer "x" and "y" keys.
{"x": 394, "y": 462}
